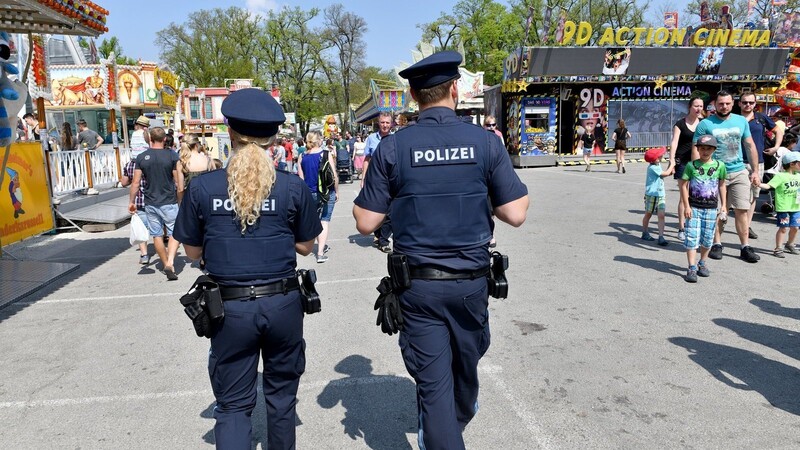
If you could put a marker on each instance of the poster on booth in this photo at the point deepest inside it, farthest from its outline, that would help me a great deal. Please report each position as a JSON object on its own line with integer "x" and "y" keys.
{"x": 25, "y": 209}
{"x": 538, "y": 131}
{"x": 592, "y": 107}
{"x": 79, "y": 86}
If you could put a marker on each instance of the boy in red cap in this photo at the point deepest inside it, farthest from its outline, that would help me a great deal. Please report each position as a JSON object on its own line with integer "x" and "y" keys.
{"x": 703, "y": 190}
{"x": 654, "y": 194}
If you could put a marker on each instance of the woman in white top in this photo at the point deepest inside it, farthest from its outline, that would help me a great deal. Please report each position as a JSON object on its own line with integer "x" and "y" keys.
{"x": 358, "y": 155}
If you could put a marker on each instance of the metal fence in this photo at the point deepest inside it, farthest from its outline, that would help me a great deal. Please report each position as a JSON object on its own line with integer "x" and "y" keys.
{"x": 648, "y": 139}
{"x": 76, "y": 170}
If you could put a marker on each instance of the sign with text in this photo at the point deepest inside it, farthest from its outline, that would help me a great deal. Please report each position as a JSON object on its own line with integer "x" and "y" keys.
{"x": 25, "y": 209}
{"x": 580, "y": 33}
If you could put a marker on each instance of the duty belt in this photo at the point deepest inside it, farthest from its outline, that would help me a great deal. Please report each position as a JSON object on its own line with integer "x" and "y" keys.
{"x": 428, "y": 273}
{"x": 277, "y": 287}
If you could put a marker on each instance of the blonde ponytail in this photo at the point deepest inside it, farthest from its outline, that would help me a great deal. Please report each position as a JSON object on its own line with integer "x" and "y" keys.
{"x": 251, "y": 175}
{"x": 188, "y": 141}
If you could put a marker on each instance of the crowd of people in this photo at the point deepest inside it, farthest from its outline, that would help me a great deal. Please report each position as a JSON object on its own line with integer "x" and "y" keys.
{"x": 719, "y": 162}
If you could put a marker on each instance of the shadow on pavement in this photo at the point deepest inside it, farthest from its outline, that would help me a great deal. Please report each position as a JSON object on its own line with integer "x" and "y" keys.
{"x": 660, "y": 266}
{"x": 89, "y": 254}
{"x": 782, "y": 340}
{"x": 769, "y": 306}
{"x": 379, "y": 408}
{"x": 742, "y": 369}
{"x": 630, "y": 234}
{"x": 360, "y": 240}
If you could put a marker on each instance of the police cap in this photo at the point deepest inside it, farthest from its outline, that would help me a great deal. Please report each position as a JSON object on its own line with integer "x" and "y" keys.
{"x": 433, "y": 70}
{"x": 253, "y": 112}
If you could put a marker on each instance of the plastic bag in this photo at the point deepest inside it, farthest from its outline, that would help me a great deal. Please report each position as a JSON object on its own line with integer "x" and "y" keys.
{"x": 139, "y": 233}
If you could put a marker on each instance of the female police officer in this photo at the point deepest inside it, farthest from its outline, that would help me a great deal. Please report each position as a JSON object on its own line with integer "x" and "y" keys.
{"x": 247, "y": 222}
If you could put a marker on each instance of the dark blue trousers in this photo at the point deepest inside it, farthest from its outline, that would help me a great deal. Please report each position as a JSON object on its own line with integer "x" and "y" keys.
{"x": 271, "y": 326}
{"x": 384, "y": 232}
{"x": 445, "y": 335}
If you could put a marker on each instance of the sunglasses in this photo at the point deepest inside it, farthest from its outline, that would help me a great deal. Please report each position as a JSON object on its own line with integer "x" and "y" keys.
{"x": 490, "y": 125}
{"x": 748, "y": 103}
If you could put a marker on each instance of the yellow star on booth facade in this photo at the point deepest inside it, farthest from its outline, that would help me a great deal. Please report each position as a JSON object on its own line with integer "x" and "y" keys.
{"x": 783, "y": 83}
{"x": 522, "y": 86}
{"x": 660, "y": 82}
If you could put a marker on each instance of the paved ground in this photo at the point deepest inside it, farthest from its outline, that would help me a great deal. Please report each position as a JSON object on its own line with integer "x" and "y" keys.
{"x": 600, "y": 345}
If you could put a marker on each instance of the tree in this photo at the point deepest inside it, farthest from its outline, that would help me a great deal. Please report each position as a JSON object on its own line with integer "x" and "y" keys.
{"x": 293, "y": 53}
{"x": 345, "y": 31}
{"x": 112, "y": 45}
{"x": 212, "y": 46}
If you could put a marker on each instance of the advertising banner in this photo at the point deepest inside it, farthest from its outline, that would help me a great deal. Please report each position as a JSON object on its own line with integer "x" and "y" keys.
{"x": 470, "y": 85}
{"x": 25, "y": 208}
{"x": 79, "y": 86}
{"x": 129, "y": 83}
{"x": 538, "y": 135}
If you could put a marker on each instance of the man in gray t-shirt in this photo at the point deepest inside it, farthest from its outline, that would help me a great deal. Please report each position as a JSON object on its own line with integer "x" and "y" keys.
{"x": 87, "y": 139}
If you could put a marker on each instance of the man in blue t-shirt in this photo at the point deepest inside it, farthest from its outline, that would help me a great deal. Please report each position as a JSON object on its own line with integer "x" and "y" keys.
{"x": 733, "y": 135}
{"x": 382, "y": 234}
{"x": 759, "y": 126}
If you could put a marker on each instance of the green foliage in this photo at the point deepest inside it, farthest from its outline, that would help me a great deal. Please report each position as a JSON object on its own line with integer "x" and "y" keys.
{"x": 112, "y": 45}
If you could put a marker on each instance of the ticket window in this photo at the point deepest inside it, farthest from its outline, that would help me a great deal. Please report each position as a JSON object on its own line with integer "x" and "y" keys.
{"x": 537, "y": 119}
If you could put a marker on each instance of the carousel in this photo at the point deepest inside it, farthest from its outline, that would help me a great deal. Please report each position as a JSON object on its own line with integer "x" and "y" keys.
{"x": 26, "y": 208}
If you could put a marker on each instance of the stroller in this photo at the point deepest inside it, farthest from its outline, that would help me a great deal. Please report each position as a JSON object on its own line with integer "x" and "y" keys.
{"x": 344, "y": 166}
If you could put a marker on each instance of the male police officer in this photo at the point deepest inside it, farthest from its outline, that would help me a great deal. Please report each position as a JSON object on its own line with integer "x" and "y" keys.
{"x": 436, "y": 179}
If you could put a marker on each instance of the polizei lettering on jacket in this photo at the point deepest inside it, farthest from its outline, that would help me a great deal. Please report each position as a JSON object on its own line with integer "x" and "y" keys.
{"x": 427, "y": 156}
{"x": 224, "y": 206}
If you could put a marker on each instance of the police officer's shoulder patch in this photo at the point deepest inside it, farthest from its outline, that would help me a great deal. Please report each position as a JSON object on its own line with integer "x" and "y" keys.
{"x": 440, "y": 156}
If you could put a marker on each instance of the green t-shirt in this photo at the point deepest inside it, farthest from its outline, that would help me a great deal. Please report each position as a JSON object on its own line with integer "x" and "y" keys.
{"x": 785, "y": 185}
{"x": 704, "y": 180}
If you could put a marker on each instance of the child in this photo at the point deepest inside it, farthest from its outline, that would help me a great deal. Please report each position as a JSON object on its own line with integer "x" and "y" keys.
{"x": 702, "y": 191}
{"x": 789, "y": 141}
{"x": 786, "y": 184}
{"x": 654, "y": 194}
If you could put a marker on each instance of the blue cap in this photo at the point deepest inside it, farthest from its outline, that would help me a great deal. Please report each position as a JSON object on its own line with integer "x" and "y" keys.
{"x": 253, "y": 112}
{"x": 790, "y": 158}
{"x": 433, "y": 70}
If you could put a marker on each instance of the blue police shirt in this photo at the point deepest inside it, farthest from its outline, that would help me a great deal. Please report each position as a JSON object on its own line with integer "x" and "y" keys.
{"x": 436, "y": 179}
{"x": 265, "y": 251}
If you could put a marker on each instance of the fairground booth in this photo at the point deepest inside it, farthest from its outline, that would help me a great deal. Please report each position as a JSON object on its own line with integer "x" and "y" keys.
{"x": 645, "y": 76}
{"x": 26, "y": 207}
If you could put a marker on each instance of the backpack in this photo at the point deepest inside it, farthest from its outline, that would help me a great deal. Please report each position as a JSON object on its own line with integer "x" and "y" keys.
{"x": 769, "y": 140}
{"x": 326, "y": 179}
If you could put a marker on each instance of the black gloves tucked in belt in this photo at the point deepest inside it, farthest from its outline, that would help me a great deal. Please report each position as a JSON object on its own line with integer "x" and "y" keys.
{"x": 390, "y": 317}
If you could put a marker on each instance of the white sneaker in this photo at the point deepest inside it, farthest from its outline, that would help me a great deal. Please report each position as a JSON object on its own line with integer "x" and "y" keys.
{"x": 681, "y": 235}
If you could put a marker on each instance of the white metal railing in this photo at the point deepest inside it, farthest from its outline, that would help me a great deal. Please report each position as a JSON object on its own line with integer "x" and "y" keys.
{"x": 648, "y": 139}
{"x": 104, "y": 166}
{"x": 68, "y": 171}
{"x": 124, "y": 157}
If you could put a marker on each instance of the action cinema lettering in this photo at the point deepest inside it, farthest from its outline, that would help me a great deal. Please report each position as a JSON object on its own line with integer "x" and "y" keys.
{"x": 580, "y": 34}
{"x": 651, "y": 91}
{"x": 23, "y": 225}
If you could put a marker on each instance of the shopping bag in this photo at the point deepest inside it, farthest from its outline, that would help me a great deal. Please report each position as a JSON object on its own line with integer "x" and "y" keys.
{"x": 139, "y": 233}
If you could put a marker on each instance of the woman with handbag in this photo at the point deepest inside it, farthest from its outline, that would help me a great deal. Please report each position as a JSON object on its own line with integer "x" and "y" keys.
{"x": 308, "y": 166}
{"x": 620, "y": 138}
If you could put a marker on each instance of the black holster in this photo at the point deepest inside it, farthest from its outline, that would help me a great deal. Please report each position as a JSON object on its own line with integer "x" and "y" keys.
{"x": 498, "y": 284}
{"x": 203, "y": 305}
{"x": 311, "y": 301}
{"x": 399, "y": 272}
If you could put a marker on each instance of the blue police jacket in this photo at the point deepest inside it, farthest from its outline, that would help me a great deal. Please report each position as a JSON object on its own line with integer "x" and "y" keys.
{"x": 265, "y": 251}
{"x": 436, "y": 179}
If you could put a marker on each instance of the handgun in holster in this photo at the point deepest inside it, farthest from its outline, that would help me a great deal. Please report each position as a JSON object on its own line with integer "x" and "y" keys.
{"x": 203, "y": 305}
{"x": 311, "y": 301}
{"x": 498, "y": 284}
{"x": 399, "y": 272}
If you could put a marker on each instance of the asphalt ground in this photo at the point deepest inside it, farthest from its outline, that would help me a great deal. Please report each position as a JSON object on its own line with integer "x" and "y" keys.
{"x": 601, "y": 343}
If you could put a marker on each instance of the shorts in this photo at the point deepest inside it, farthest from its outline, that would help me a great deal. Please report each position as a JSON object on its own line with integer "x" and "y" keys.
{"x": 700, "y": 228}
{"x": 160, "y": 216}
{"x": 326, "y": 209}
{"x": 756, "y": 189}
{"x": 788, "y": 219}
{"x": 653, "y": 204}
{"x": 587, "y": 151}
{"x": 739, "y": 193}
{"x": 679, "y": 168}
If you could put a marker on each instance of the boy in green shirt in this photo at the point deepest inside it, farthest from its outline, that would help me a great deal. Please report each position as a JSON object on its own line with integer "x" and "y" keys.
{"x": 787, "y": 206}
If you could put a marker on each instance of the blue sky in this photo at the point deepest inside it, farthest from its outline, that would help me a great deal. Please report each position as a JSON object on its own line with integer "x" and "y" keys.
{"x": 392, "y": 27}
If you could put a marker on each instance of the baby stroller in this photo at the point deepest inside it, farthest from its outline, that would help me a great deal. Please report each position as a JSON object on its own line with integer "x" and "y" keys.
{"x": 344, "y": 166}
